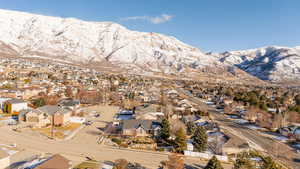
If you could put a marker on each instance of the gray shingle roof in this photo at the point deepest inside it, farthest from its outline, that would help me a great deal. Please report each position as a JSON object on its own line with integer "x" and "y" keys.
{"x": 50, "y": 109}
{"x": 129, "y": 124}
{"x": 69, "y": 102}
{"x": 15, "y": 101}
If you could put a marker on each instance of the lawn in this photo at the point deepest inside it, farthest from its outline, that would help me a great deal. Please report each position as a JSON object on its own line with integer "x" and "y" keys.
{"x": 88, "y": 164}
{"x": 5, "y": 115}
{"x": 58, "y": 132}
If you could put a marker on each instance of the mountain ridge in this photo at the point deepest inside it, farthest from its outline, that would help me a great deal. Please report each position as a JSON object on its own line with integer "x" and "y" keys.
{"x": 72, "y": 40}
{"x": 274, "y": 63}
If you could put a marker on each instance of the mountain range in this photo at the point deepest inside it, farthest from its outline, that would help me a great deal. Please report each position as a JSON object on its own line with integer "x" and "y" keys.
{"x": 72, "y": 40}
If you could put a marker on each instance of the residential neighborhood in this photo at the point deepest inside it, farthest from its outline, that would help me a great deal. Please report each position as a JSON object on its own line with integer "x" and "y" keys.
{"x": 94, "y": 85}
{"x": 135, "y": 113}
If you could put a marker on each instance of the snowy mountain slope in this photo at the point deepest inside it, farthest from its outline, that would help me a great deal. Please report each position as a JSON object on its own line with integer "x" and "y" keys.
{"x": 75, "y": 40}
{"x": 268, "y": 63}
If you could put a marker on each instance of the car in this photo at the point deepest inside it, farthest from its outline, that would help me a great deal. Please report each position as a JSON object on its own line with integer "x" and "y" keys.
{"x": 88, "y": 123}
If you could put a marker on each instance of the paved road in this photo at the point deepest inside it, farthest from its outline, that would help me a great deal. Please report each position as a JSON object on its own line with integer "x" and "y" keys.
{"x": 77, "y": 151}
{"x": 279, "y": 150}
{"x": 84, "y": 144}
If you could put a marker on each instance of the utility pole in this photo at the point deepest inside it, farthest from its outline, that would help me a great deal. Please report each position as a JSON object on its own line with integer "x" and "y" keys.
{"x": 52, "y": 126}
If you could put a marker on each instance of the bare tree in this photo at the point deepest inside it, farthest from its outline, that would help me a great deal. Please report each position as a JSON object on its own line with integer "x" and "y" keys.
{"x": 227, "y": 109}
{"x": 293, "y": 117}
{"x": 52, "y": 99}
{"x": 69, "y": 92}
{"x": 121, "y": 164}
{"x": 251, "y": 114}
{"x": 175, "y": 161}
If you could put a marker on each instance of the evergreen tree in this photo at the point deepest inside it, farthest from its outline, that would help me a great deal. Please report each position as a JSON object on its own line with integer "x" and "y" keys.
{"x": 243, "y": 161}
{"x": 297, "y": 99}
{"x": 269, "y": 164}
{"x": 165, "y": 130}
{"x": 180, "y": 140}
{"x": 213, "y": 163}
{"x": 191, "y": 127}
{"x": 39, "y": 102}
{"x": 200, "y": 139}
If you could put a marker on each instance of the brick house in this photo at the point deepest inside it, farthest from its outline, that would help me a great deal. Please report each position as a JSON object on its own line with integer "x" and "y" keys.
{"x": 48, "y": 114}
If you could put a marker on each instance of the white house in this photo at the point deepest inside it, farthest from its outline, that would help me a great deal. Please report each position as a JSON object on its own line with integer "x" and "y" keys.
{"x": 15, "y": 105}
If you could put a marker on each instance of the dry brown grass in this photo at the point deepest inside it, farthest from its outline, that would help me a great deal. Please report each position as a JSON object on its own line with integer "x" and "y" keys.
{"x": 5, "y": 114}
{"x": 58, "y": 132}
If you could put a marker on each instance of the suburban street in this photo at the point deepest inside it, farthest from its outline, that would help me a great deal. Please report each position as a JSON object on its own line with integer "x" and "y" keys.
{"x": 84, "y": 144}
{"x": 285, "y": 154}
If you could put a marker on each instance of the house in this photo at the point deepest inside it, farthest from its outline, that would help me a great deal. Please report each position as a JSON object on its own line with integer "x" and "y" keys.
{"x": 140, "y": 128}
{"x": 15, "y": 106}
{"x": 61, "y": 116}
{"x": 2, "y": 101}
{"x": 22, "y": 114}
{"x": 124, "y": 115}
{"x": 69, "y": 103}
{"x": 32, "y": 91}
{"x": 36, "y": 117}
{"x": 190, "y": 118}
{"x": 46, "y": 115}
{"x": 4, "y": 159}
{"x": 54, "y": 162}
{"x": 11, "y": 93}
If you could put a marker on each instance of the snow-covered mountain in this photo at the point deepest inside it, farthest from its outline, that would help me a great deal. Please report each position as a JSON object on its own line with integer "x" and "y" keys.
{"x": 107, "y": 43}
{"x": 268, "y": 63}
{"x": 69, "y": 39}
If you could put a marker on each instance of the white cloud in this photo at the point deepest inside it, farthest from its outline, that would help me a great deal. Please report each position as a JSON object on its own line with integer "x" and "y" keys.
{"x": 153, "y": 19}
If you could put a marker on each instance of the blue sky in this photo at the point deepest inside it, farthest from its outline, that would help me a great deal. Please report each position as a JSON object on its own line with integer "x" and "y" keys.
{"x": 211, "y": 25}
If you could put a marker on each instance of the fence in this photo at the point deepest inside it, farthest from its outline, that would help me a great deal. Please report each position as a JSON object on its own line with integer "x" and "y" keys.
{"x": 205, "y": 155}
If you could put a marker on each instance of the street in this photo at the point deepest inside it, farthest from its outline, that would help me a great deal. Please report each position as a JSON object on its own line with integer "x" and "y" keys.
{"x": 84, "y": 144}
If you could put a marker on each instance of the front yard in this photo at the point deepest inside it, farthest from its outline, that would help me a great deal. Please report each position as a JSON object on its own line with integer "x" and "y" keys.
{"x": 141, "y": 143}
{"x": 58, "y": 132}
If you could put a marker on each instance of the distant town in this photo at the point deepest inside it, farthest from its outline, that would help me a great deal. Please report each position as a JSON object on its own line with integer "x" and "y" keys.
{"x": 61, "y": 116}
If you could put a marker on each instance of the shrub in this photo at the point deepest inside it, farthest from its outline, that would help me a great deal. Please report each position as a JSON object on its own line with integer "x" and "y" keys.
{"x": 116, "y": 140}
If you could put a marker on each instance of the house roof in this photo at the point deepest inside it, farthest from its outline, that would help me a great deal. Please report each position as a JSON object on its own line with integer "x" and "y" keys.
{"x": 55, "y": 162}
{"x": 69, "y": 102}
{"x": 16, "y": 101}
{"x": 24, "y": 111}
{"x": 133, "y": 123}
{"x": 50, "y": 109}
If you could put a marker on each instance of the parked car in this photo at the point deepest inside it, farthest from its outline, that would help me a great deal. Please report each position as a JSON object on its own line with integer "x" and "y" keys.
{"x": 88, "y": 123}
